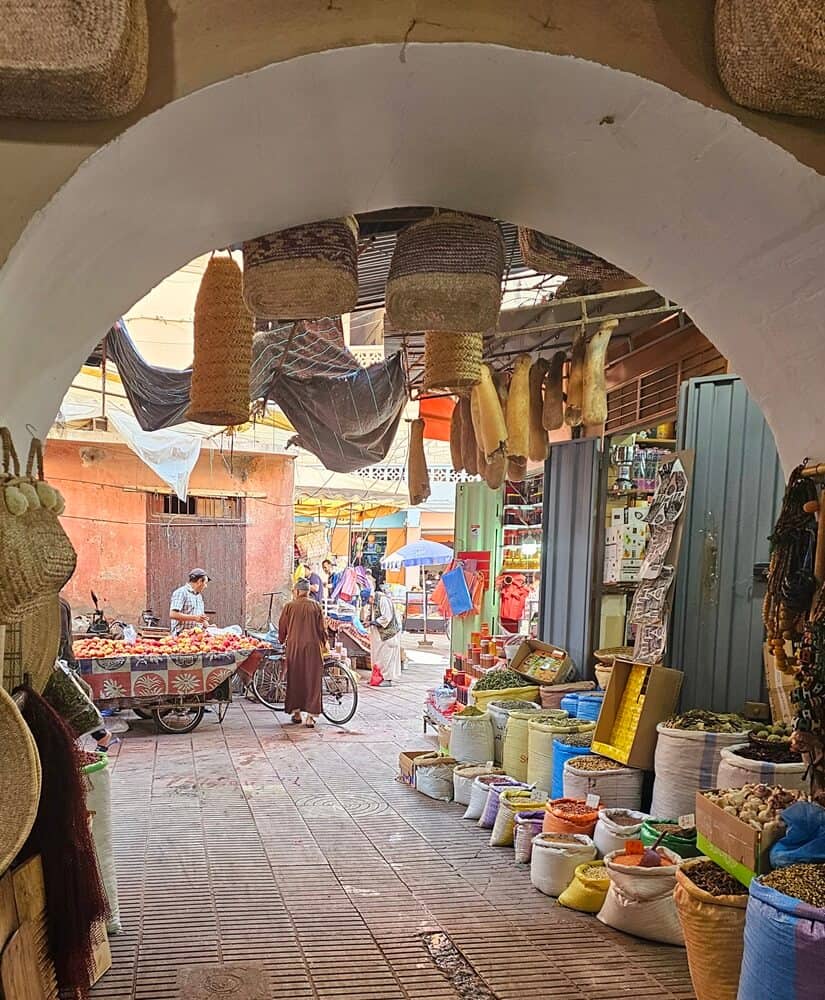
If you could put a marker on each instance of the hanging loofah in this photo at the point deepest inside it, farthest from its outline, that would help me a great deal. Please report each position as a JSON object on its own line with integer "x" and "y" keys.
{"x": 446, "y": 274}
{"x": 418, "y": 477}
{"x": 452, "y": 361}
{"x": 304, "y": 272}
{"x": 223, "y": 348}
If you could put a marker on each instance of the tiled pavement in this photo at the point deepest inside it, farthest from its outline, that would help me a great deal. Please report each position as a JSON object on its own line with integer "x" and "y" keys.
{"x": 258, "y": 841}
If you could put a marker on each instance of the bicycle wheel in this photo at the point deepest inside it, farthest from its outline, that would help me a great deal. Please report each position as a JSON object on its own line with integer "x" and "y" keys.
{"x": 178, "y": 720}
{"x": 339, "y": 694}
{"x": 269, "y": 683}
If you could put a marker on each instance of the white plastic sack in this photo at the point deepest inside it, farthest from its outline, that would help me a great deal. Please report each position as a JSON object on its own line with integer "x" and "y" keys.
{"x": 435, "y": 781}
{"x": 171, "y": 454}
{"x": 99, "y": 804}
{"x": 554, "y": 861}
{"x": 735, "y": 771}
{"x": 618, "y": 788}
{"x": 471, "y": 737}
{"x": 610, "y": 836}
{"x": 465, "y": 775}
{"x": 478, "y": 794}
{"x": 499, "y": 712}
{"x": 640, "y": 901}
{"x": 686, "y": 761}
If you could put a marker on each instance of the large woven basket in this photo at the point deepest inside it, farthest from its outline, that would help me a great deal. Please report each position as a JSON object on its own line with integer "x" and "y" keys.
{"x": 20, "y": 778}
{"x": 452, "y": 361}
{"x": 36, "y": 556}
{"x": 446, "y": 274}
{"x": 223, "y": 348}
{"x": 31, "y": 647}
{"x": 771, "y": 54}
{"x": 72, "y": 59}
{"x": 304, "y": 272}
{"x": 550, "y": 255}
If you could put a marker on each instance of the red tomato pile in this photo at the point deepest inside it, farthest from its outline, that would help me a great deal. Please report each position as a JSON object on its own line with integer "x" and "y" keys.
{"x": 189, "y": 643}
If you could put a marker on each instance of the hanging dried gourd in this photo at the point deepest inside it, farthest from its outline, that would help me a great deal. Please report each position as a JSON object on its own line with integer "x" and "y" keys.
{"x": 518, "y": 409}
{"x": 488, "y": 418}
{"x": 469, "y": 448}
{"x": 538, "y": 435}
{"x": 418, "y": 477}
{"x": 516, "y": 469}
{"x": 594, "y": 393}
{"x": 575, "y": 382}
{"x": 223, "y": 332}
{"x": 552, "y": 415}
{"x": 495, "y": 470}
{"x": 455, "y": 439}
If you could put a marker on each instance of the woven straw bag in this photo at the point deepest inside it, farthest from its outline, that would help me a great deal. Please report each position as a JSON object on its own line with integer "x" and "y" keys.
{"x": 36, "y": 557}
{"x": 72, "y": 59}
{"x": 771, "y": 54}
{"x": 452, "y": 361}
{"x": 223, "y": 348}
{"x": 550, "y": 255}
{"x": 304, "y": 272}
{"x": 446, "y": 274}
{"x": 20, "y": 778}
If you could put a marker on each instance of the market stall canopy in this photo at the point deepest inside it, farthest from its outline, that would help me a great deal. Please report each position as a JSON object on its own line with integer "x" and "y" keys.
{"x": 420, "y": 553}
{"x": 344, "y": 414}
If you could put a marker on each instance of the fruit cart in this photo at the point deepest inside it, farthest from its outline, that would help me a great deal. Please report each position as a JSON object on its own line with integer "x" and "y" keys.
{"x": 170, "y": 679}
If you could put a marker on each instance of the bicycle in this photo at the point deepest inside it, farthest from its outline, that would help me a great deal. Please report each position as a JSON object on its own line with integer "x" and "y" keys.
{"x": 339, "y": 688}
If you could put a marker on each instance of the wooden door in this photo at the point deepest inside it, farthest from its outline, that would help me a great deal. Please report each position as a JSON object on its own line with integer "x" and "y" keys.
{"x": 208, "y": 532}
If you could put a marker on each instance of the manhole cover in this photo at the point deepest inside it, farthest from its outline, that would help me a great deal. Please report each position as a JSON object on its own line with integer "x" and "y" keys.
{"x": 325, "y": 805}
{"x": 224, "y": 982}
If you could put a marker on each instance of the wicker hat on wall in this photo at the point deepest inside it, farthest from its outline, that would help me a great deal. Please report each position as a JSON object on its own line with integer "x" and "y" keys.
{"x": 72, "y": 59}
{"x": 771, "y": 54}
{"x": 223, "y": 348}
{"x": 304, "y": 272}
{"x": 20, "y": 778}
{"x": 550, "y": 255}
{"x": 445, "y": 274}
{"x": 452, "y": 360}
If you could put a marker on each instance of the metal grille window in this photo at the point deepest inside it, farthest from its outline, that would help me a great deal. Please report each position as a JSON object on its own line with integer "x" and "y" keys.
{"x": 202, "y": 508}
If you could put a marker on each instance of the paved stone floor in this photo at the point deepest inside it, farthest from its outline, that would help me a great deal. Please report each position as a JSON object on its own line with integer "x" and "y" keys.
{"x": 258, "y": 841}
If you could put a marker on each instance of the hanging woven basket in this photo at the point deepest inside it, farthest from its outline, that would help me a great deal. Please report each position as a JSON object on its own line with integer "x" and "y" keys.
{"x": 771, "y": 54}
{"x": 452, "y": 361}
{"x": 549, "y": 255}
{"x": 223, "y": 348}
{"x": 446, "y": 274}
{"x": 72, "y": 59}
{"x": 304, "y": 272}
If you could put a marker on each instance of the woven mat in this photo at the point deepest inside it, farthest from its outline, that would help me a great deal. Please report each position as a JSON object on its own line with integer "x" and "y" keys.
{"x": 224, "y": 982}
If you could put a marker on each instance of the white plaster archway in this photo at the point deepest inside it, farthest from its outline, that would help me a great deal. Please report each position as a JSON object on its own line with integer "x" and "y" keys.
{"x": 721, "y": 220}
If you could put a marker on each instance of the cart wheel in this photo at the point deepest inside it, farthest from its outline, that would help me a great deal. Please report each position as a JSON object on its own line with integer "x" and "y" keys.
{"x": 143, "y": 713}
{"x": 339, "y": 694}
{"x": 269, "y": 683}
{"x": 178, "y": 720}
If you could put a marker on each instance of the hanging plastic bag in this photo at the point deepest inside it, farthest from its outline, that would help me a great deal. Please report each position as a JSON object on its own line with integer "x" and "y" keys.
{"x": 805, "y": 837}
{"x": 458, "y": 593}
{"x": 376, "y": 677}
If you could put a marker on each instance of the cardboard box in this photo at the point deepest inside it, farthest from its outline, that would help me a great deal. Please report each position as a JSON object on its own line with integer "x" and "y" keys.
{"x": 629, "y": 570}
{"x": 557, "y": 671}
{"x": 734, "y": 845}
{"x": 637, "y": 699}
{"x": 406, "y": 765}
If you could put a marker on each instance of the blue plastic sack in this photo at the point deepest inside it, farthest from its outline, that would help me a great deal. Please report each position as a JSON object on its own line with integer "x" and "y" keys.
{"x": 805, "y": 836}
{"x": 784, "y": 953}
{"x": 458, "y": 593}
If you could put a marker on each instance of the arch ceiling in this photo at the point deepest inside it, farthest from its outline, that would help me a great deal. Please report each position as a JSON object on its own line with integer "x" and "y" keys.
{"x": 720, "y": 219}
